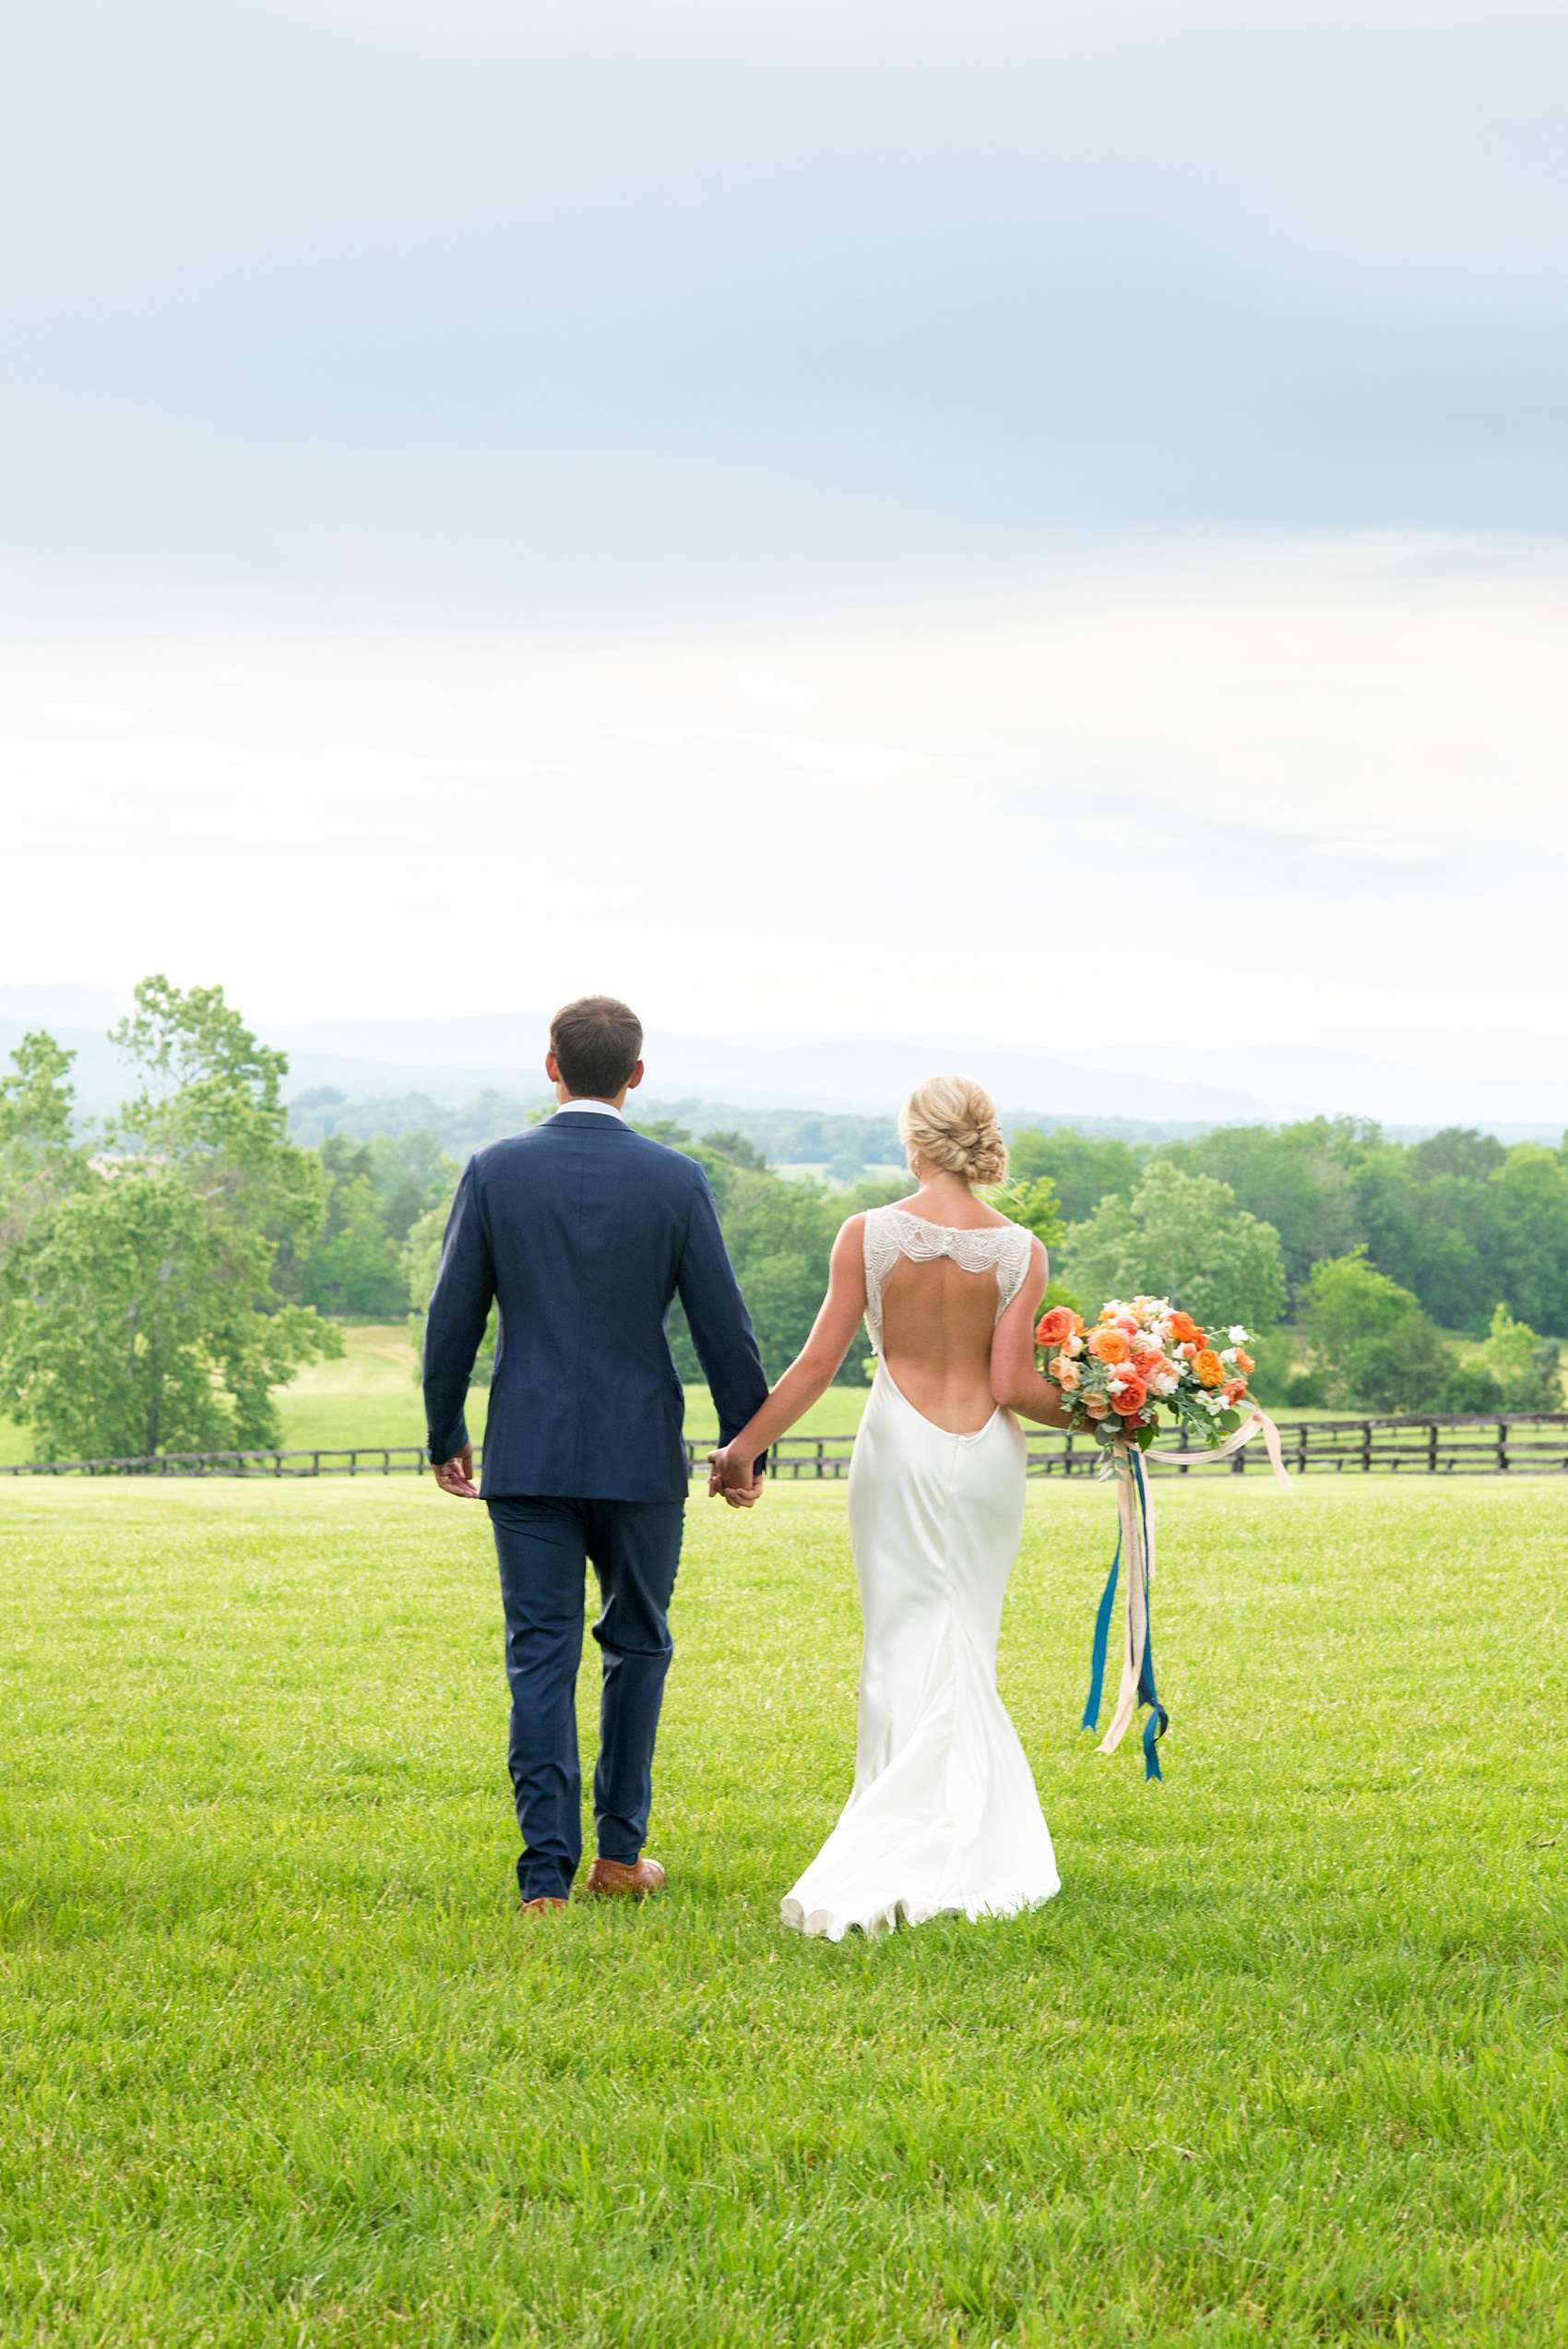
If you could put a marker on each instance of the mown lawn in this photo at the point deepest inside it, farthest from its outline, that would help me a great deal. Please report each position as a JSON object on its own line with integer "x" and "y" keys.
{"x": 1284, "y": 2063}
{"x": 371, "y": 1396}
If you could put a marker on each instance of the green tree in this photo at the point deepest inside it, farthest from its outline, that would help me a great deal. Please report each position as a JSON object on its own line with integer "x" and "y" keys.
{"x": 1300, "y": 1179}
{"x": 1082, "y": 1168}
{"x": 1373, "y": 1347}
{"x": 39, "y": 1158}
{"x": 1033, "y": 1202}
{"x": 1528, "y": 1370}
{"x": 1182, "y": 1237}
{"x": 353, "y": 1264}
{"x": 137, "y": 1310}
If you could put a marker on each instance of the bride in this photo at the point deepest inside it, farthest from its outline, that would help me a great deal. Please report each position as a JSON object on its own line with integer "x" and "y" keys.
{"x": 944, "y": 1816}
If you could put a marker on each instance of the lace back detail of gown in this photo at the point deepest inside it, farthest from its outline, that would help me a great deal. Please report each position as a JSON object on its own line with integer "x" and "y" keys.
{"x": 892, "y": 1232}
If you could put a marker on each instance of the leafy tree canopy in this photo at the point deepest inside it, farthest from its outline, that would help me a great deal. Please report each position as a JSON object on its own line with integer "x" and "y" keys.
{"x": 1183, "y": 1236}
{"x": 1082, "y": 1168}
{"x": 136, "y": 1308}
{"x": 1375, "y": 1349}
{"x": 39, "y": 1156}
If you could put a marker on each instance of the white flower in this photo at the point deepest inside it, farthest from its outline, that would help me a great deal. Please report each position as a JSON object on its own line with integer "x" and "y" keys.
{"x": 1237, "y": 1335}
{"x": 1228, "y": 1354}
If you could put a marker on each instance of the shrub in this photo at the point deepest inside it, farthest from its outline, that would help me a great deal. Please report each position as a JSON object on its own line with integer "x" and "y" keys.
{"x": 1470, "y": 1386}
{"x": 1527, "y": 1370}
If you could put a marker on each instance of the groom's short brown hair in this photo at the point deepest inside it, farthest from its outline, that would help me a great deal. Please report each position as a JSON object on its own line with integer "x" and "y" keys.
{"x": 597, "y": 1042}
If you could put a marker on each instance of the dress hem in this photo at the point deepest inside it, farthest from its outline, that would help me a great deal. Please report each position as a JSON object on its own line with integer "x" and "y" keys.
{"x": 903, "y": 1909}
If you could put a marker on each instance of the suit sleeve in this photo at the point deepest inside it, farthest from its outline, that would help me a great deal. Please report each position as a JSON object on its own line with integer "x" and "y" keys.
{"x": 454, "y": 1324}
{"x": 717, "y": 1316}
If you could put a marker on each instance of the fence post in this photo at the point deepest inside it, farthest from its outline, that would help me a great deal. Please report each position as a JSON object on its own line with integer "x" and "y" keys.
{"x": 1432, "y": 1450}
{"x": 1366, "y": 1446}
{"x": 1502, "y": 1447}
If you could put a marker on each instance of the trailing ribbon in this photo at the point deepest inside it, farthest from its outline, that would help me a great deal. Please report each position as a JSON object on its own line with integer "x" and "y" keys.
{"x": 1101, "y": 1642}
{"x": 1135, "y": 1507}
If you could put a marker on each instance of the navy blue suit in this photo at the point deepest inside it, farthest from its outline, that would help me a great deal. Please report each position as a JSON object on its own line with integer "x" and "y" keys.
{"x": 583, "y": 1231}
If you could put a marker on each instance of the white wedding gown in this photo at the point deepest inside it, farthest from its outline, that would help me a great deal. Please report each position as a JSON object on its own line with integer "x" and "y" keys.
{"x": 944, "y": 1816}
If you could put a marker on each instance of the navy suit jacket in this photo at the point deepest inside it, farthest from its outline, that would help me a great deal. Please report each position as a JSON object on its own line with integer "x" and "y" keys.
{"x": 583, "y": 1231}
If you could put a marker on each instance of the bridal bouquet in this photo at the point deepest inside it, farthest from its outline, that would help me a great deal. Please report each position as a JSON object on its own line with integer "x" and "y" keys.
{"x": 1138, "y": 1360}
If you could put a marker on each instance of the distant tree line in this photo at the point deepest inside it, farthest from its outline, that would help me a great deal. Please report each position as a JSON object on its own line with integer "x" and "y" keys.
{"x": 160, "y": 1278}
{"x": 1371, "y": 1249}
{"x": 844, "y": 1146}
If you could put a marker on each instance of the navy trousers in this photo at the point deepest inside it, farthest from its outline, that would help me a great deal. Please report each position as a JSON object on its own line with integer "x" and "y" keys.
{"x": 544, "y": 1545}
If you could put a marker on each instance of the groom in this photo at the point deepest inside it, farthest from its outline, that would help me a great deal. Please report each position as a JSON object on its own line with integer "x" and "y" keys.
{"x": 582, "y": 1231}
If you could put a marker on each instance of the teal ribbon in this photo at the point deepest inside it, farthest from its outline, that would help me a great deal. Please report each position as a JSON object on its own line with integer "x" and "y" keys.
{"x": 1159, "y": 1720}
{"x": 1101, "y": 1642}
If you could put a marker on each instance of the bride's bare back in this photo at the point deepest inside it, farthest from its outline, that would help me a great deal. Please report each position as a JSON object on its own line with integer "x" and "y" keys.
{"x": 938, "y": 1323}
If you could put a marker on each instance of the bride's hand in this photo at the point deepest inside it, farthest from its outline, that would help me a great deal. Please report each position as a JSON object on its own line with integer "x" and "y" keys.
{"x": 734, "y": 1480}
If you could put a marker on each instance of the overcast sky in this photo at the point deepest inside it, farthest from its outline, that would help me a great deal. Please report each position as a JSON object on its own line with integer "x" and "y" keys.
{"x": 785, "y": 507}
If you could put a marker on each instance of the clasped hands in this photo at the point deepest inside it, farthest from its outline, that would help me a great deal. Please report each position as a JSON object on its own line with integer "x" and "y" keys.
{"x": 736, "y": 1480}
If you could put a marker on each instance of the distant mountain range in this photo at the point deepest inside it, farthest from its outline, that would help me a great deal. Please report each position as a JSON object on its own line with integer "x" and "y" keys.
{"x": 1170, "y": 1085}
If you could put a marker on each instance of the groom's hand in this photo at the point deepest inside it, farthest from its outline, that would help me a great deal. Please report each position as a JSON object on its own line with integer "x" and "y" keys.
{"x": 735, "y": 1480}
{"x": 457, "y": 1476}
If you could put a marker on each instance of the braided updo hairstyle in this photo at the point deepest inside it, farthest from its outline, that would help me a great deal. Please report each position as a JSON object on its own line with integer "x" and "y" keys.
{"x": 951, "y": 1121}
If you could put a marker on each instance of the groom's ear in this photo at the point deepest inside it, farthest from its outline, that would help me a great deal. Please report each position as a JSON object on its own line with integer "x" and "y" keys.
{"x": 636, "y": 1077}
{"x": 552, "y": 1068}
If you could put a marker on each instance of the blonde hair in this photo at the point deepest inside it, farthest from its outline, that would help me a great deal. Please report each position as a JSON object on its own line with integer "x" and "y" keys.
{"x": 952, "y": 1122}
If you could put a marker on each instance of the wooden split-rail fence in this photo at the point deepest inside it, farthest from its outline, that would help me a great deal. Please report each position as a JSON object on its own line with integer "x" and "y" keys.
{"x": 1518, "y": 1444}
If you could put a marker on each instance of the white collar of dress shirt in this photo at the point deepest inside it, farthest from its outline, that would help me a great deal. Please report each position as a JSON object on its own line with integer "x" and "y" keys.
{"x": 599, "y": 1108}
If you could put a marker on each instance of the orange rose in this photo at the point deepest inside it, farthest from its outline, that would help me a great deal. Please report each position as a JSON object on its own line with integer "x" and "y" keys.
{"x": 1053, "y": 1327}
{"x": 1110, "y": 1345}
{"x": 1208, "y": 1366}
{"x": 1244, "y": 1362}
{"x": 1131, "y": 1400}
{"x": 1234, "y": 1389}
{"x": 1146, "y": 1357}
{"x": 1185, "y": 1331}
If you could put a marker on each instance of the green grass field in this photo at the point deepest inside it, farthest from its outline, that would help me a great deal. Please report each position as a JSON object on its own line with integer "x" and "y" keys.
{"x": 1284, "y": 2063}
{"x": 371, "y": 1396}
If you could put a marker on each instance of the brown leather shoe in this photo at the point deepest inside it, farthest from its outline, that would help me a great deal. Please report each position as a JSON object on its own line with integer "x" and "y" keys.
{"x": 545, "y": 1901}
{"x": 614, "y": 1877}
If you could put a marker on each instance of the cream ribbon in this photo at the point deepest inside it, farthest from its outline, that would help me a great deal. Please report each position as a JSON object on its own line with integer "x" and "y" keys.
{"x": 1139, "y": 1555}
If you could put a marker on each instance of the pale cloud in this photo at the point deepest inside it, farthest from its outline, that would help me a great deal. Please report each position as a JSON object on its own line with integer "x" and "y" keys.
{"x": 1319, "y": 775}
{"x": 892, "y": 28}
